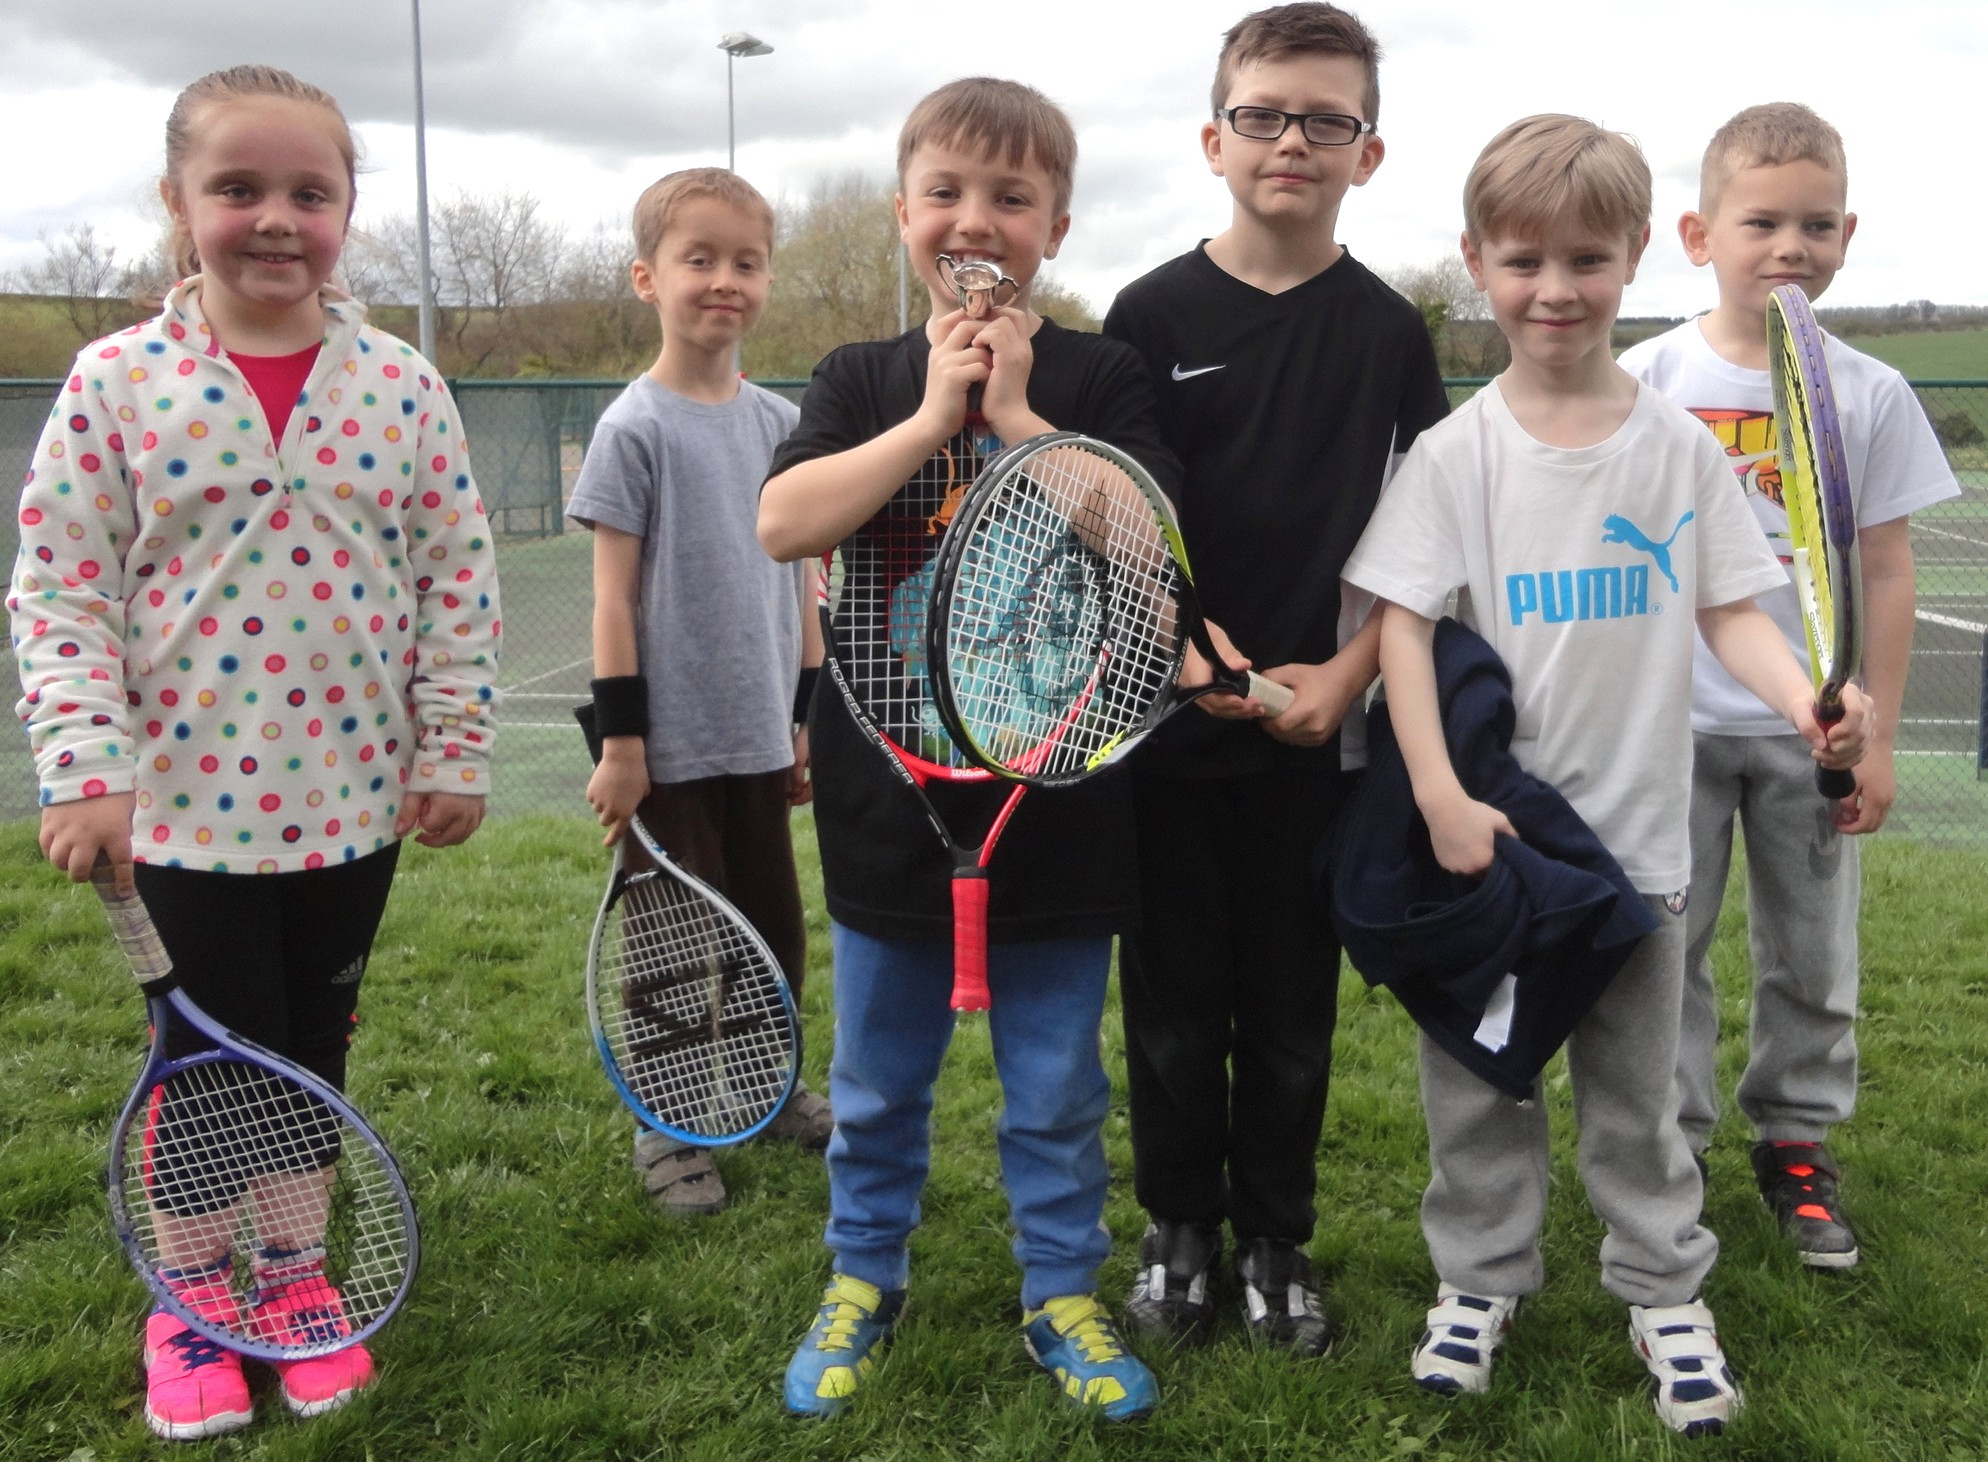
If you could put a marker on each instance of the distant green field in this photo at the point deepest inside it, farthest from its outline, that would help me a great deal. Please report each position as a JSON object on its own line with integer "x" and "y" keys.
{"x": 1942, "y": 355}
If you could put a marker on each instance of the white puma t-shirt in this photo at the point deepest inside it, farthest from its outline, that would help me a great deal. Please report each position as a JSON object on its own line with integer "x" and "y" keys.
{"x": 1584, "y": 568}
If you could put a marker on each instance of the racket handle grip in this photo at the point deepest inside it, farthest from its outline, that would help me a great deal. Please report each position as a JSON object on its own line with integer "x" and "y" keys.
{"x": 133, "y": 927}
{"x": 1276, "y": 698}
{"x": 970, "y": 940}
{"x": 1832, "y": 782}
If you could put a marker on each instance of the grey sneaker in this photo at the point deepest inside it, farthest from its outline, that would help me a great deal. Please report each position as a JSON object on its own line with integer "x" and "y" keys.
{"x": 680, "y": 1179}
{"x": 805, "y": 1120}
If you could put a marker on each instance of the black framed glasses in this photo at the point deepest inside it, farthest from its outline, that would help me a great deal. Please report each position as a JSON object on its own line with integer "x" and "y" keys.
{"x": 1321, "y": 129}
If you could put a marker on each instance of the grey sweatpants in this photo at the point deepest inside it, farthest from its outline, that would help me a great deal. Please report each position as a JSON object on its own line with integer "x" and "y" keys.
{"x": 1486, "y": 1199}
{"x": 1802, "y": 885}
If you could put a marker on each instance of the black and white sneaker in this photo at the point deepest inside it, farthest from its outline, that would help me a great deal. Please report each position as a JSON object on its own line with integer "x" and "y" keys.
{"x": 1798, "y": 1180}
{"x": 1280, "y": 1298}
{"x": 1169, "y": 1300}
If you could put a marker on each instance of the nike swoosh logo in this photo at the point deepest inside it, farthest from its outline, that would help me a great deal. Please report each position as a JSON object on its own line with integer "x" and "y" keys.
{"x": 1181, "y": 375}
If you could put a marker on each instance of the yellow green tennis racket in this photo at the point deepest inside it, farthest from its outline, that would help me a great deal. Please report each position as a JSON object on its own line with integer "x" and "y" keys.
{"x": 1822, "y": 517}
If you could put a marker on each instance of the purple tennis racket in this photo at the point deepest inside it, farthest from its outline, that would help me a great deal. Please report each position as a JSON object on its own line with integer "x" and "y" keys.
{"x": 230, "y": 1164}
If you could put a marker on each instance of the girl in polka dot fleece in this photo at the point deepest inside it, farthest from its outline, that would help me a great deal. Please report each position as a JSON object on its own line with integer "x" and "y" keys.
{"x": 255, "y": 613}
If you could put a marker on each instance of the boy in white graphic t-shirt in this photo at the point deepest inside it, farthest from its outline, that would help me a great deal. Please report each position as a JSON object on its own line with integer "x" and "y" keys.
{"x": 1771, "y": 211}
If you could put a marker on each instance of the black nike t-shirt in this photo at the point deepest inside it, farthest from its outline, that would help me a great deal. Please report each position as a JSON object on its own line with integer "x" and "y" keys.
{"x": 1063, "y": 867}
{"x": 1284, "y": 411}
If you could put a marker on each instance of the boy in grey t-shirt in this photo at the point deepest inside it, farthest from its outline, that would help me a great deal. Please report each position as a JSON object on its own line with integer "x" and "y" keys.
{"x": 699, "y": 637}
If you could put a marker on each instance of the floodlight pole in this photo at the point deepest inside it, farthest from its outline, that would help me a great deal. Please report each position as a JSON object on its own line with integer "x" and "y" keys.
{"x": 427, "y": 291}
{"x": 736, "y": 44}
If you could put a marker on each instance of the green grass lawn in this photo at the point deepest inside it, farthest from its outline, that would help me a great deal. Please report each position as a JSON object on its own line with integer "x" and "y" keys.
{"x": 1931, "y": 355}
{"x": 556, "y": 1317}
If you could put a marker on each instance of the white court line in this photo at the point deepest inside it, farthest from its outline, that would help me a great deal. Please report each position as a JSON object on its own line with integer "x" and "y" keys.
{"x": 560, "y": 670}
{"x": 1949, "y": 533}
{"x": 1950, "y": 622}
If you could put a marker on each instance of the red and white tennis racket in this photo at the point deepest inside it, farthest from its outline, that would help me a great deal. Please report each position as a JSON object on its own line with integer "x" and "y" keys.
{"x": 875, "y": 590}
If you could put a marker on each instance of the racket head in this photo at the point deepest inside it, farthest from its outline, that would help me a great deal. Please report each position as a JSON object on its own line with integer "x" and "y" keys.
{"x": 1815, "y": 488}
{"x": 226, "y": 1149}
{"x": 691, "y": 1014}
{"x": 874, "y": 594}
{"x": 1060, "y": 612}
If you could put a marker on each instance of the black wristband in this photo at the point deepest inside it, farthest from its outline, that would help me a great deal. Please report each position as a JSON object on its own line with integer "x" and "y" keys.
{"x": 621, "y": 705}
{"x": 804, "y": 693}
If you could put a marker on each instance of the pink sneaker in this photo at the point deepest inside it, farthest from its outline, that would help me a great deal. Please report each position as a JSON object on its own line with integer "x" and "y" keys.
{"x": 194, "y": 1386}
{"x": 294, "y": 1304}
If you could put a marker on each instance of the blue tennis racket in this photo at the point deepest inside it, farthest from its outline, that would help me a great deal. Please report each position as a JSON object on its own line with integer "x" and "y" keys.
{"x": 233, "y": 1169}
{"x": 691, "y": 1014}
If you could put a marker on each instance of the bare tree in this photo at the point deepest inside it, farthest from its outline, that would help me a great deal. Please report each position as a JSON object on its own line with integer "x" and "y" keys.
{"x": 493, "y": 256}
{"x": 604, "y": 328}
{"x": 520, "y": 295}
{"x": 83, "y": 274}
{"x": 381, "y": 264}
{"x": 1467, "y": 342}
{"x": 834, "y": 277}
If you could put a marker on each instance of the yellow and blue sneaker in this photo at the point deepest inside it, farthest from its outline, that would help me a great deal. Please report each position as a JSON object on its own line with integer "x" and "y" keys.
{"x": 1074, "y": 1339}
{"x": 835, "y": 1356}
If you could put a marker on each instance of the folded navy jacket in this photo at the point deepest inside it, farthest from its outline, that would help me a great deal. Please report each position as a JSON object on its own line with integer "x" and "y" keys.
{"x": 1499, "y": 969}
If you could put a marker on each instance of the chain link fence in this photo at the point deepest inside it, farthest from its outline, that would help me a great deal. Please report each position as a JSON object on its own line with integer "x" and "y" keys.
{"x": 529, "y": 437}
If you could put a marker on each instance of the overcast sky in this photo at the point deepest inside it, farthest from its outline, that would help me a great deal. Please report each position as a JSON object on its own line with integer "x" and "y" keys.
{"x": 583, "y": 102}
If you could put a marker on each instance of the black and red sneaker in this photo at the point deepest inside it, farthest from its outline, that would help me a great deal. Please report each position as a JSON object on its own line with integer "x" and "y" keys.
{"x": 1798, "y": 1180}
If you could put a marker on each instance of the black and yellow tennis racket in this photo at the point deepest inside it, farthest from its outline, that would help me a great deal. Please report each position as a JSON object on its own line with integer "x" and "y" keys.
{"x": 1822, "y": 516}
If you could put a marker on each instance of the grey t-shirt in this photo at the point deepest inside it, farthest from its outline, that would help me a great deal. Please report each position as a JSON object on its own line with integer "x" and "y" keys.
{"x": 719, "y": 635}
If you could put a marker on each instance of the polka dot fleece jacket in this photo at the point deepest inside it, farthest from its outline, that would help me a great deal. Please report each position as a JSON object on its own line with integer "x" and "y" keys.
{"x": 271, "y": 644}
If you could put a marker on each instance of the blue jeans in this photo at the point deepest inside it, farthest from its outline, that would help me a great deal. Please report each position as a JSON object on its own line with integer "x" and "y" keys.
{"x": 893, "y": 1022}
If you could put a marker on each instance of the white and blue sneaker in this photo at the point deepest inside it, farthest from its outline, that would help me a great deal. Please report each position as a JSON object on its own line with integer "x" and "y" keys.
{"x": 1460, "y": 1336}
{"x": 1696, "y": 1393}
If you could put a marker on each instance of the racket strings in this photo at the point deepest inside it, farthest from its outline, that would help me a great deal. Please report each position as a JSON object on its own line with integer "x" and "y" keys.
{"x": 232, "y": 1159}
{"x": 1802, "y": 498}
{"x": 693, "y": 1010}
{"x": 1062, "y": 630}
{"x": 876, "y": 589}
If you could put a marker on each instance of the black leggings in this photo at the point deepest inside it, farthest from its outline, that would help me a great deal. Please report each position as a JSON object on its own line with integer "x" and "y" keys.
{"x": 276, "y": 957}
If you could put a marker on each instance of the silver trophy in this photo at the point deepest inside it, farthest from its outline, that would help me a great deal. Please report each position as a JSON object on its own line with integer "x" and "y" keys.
{"x": 982, "y": 287}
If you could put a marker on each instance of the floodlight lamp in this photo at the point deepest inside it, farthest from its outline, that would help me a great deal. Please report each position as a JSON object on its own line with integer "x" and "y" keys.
{"x": 740, "y": 43}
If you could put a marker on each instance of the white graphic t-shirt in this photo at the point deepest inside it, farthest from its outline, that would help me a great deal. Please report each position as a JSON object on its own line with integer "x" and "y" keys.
{"x": 1896, "y": 468}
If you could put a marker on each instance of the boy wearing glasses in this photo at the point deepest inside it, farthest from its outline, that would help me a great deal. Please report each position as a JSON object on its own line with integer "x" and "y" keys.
{"x": 1290, "y": 380}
